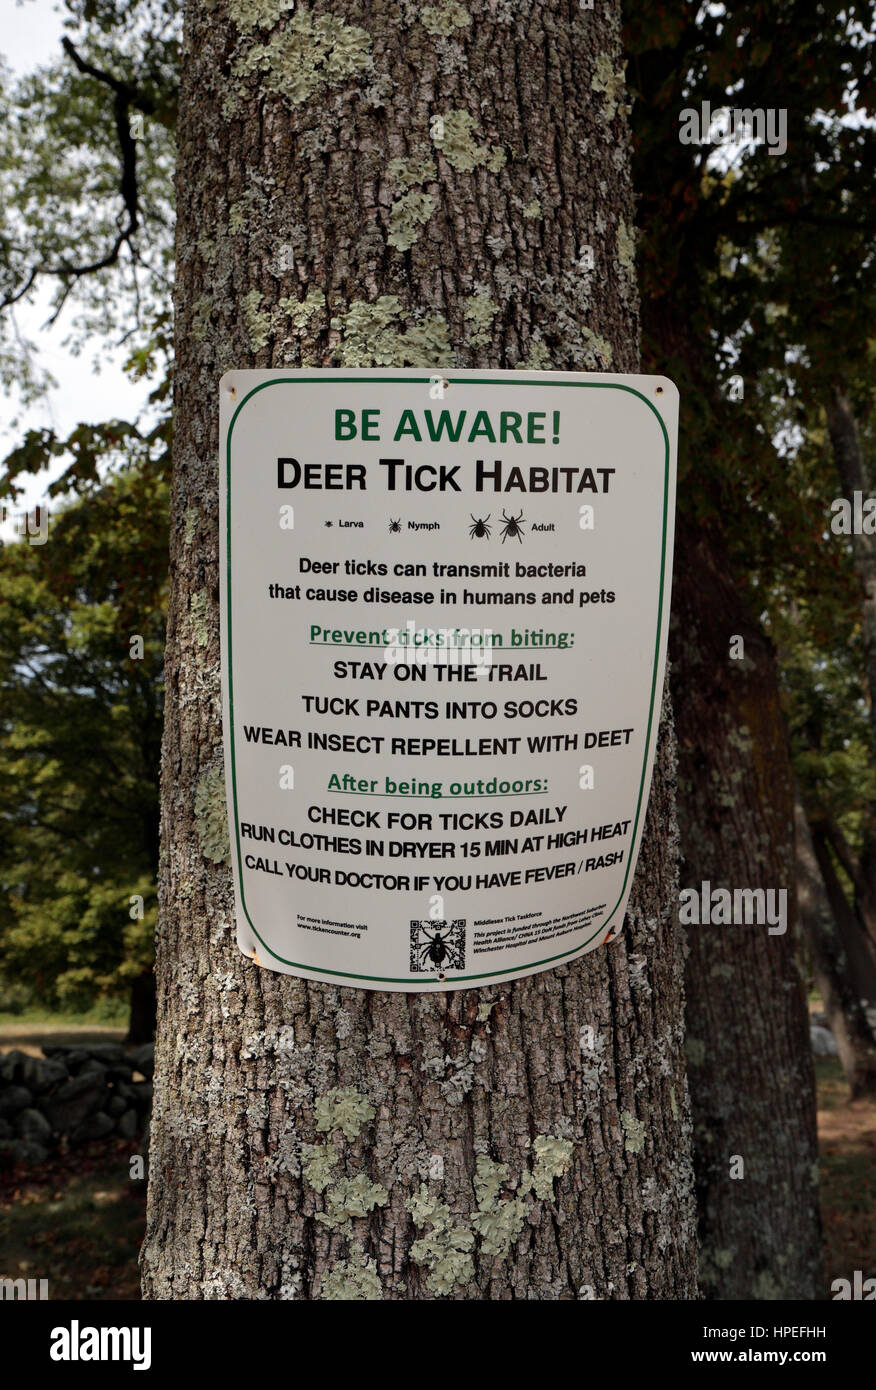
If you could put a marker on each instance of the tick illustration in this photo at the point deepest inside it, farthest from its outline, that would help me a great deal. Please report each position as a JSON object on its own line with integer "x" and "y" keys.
{"x": 395, "y": 525}
{"x": 512, "y": 526}
{"x": 435, "y": 949}
{"x": 480, "y": 527}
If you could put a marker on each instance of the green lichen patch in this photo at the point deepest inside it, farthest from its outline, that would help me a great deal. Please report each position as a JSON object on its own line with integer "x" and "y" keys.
{"x": 343, "y": 1108}
{"x": 552, "y": 1158}
{"x": 453, "y": 135}
{"x": 626, "y": 248}
{"x": 419, "y": 167}
{"x": 484, "y": 1011}
{"x": 301, "y": 311}
{"x": 480, "y": 310}
{"x": 372, "y": 336}
{"x": 352, "y": 1281}
{"x": 407, "y": 216}
{"x": 211, "y": 816}
{"x": 489, "y": 1179}
{"x": 427, "y": 344}
{"x": 370, "y": 332}
{"x": 532, "y": 209}
{"x": 498, "y": 1222}
{"x": 257, "y": 14}
{"x": 538, "y": 358}
{"x": 444, "y": 1249}
{"x": 202, "y": 311}
{"x": 441, "y": 20}
{"x": 192, "y": 518}
{"x": 319, "y": 1161}
{"x": 349, "y": 1198}
{"x": 312, "y": 54}
{"x": 500, "y": 1226}
{"x": 611, "y": 81}
{"x": 634, "y": 1132}
{"x": 595, "y": 351}
{"x": 257, "y": 320}
{"x": 199, "y": 604}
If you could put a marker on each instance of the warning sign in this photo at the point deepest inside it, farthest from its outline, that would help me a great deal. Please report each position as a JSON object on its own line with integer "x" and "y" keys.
{"x": 444, "y": 615}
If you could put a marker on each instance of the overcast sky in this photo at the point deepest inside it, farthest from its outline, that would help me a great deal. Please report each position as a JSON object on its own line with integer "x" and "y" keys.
{"x": 30, "y": 37}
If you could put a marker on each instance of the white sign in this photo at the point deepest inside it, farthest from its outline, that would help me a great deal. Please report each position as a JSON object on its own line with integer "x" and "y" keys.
{"x": 444, "y": 613}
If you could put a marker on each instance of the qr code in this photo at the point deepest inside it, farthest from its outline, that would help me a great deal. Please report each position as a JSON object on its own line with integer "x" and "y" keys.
{"x": 437, "y": 946}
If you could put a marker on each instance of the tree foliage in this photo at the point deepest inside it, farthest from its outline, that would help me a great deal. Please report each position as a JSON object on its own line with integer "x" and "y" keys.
{"x": 81, "y": 648}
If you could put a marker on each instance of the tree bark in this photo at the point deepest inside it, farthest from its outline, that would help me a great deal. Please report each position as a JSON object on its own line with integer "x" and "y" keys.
{"x": 751, "y": 1072}
{"x": 854, "y": 477}
{"x": 854, "y": 940}
{"x": 274, "y": 1094}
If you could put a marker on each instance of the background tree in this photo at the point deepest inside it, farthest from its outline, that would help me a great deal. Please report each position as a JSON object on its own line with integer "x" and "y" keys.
{"x": 713, "y": 288}
{"x": 86, "y": 160}
{"x": 81, "y": 645}
{"x": 299, "y": 1128}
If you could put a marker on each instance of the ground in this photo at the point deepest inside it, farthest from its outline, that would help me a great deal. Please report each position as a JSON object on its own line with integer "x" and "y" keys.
{"x": 847, "y": 1153}
{"x": 78, "y": 1220}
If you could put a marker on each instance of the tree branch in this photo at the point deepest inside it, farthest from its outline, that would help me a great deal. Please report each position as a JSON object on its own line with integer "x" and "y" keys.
{"x": 125, "y": 97}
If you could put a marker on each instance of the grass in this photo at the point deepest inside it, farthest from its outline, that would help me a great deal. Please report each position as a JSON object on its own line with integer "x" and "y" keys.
{"x": 27, "y": 1029}
{"x": 112, "y": 1013}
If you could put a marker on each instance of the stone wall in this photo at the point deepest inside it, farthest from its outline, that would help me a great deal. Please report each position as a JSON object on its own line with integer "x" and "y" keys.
{"x": 70, "y": 1095}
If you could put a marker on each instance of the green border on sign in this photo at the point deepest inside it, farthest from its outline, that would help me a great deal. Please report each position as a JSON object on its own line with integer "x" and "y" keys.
{"x": 425, "y": 381}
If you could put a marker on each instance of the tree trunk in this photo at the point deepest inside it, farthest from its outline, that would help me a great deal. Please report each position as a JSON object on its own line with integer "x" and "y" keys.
{"x": 854, "y": 477}
{"x": 836, "y": 985}
{"x": 283, "y": 1107}
{"x": 751, "y": 1073}
{"x": 854, "y": 940}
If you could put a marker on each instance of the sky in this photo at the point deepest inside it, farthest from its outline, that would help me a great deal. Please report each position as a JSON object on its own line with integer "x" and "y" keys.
{"x": 30, "y": 36}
